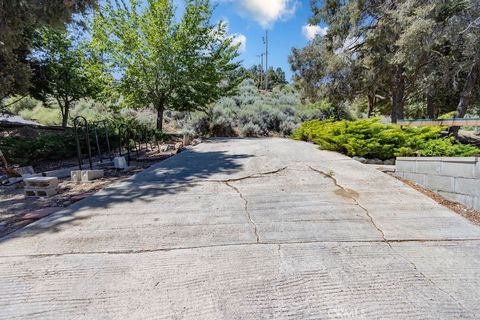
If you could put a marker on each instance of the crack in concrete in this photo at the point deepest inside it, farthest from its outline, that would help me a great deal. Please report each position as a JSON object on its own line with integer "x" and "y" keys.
{"x": 247, "y": 212}
{"x": 252, "y": 176}
{"x": 126, "y": 252}
{"x": 229, "y": 182}
{"x": 266, "y": 243}
{"x": 348, "y": 194}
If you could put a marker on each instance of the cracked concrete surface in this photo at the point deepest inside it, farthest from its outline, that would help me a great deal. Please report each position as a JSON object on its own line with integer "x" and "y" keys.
{"x": 247, "y": 229}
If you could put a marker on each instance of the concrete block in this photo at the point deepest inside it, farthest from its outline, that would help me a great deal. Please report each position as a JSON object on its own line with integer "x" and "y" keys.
{"x": 429, "y": 167}
{"x": 41, "y": 182}
{"x": 406, "y": 166}
{"x": 429, "y": 159}
{"x": 470, "y": 160}
{"x": 40, "y": 192}
{"x": 90, "y": 175}
{"x": 415, "y": 177}
{"x": 187, "y": 140}
{"x": 76, "y": 176}
{"x": 466, "y": 200}
{"x": 477, "y": 169}
{"x": 458, "y": 169}
{"x": 440, "y": 183}
{"x": 167, "y": 147}
{"x": 467, "y": 186}
{"x": 120, "y": 163}
{"x": 61, "y": 173}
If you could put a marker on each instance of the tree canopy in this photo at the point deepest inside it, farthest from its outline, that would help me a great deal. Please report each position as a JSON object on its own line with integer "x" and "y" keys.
{"x": 394, "y": 54}
{"x": 60, "y": 70}
{"x": 19, "y": 21}
{"x": 161, "y": 61}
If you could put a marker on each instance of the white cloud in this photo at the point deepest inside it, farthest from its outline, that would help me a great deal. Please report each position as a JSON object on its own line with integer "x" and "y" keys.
{"x": 267, "y": 12}
{"x": 311, "y": 31}
{"x": 239, "y": 38}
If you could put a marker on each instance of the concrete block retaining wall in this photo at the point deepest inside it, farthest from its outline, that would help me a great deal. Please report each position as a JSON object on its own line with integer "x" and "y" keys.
{"x": 456, "y": 179}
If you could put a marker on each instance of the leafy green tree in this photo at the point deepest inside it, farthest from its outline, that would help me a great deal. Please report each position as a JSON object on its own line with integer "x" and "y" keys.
{"x": 402, "y": 52}
{"x": 19, "y": 21}
{"x": 61, "y": 75}
{"x": 164, "y": 62}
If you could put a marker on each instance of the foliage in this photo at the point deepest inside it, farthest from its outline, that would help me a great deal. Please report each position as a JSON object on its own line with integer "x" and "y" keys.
{"x": 18, "y": 22}
{"x": 254, "y": 113}
{"x": 29, "y": 150}
{"x": 372, "y": 139}
{"x": 17, "y": 104}
{"x": 276, "y": 77}
{"x": 406, "y": 58}
{"x": 31, "y": 147}
{"x": 43, "y": 115}
{"x": 60, "y": 75}
{"x": 164, "y": 62}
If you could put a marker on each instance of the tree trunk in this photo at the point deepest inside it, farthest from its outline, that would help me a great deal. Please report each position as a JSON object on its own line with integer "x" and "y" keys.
{"x": 65, "y": 112}
{"x": 467, "y": 93}
{"x": 371, "y": 104}
{"x": 430, "y": 103}
{"x": 398, "y": 96}
{"x": 160, "y": 110}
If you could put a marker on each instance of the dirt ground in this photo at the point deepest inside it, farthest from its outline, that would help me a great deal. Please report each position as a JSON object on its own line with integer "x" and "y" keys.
{"x": 17, "y": 211}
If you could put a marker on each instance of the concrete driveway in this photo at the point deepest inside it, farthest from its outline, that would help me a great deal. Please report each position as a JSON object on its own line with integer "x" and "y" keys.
{"x": 247, "y": 229}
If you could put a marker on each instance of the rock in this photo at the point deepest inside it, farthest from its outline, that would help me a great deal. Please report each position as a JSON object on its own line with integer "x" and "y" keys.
{"x": 196, "y": 142}
{"x": 374, "y": 161}
{"x": 390, "y": 162}
{"x": 178, "y": 145}
{"x": 360, "y": 159}
{"x": 66, "y": 203}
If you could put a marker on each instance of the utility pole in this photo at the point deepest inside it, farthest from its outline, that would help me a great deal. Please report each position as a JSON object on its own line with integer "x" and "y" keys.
{"x": 265, "y": 41}
{"x": 261, "y": 72}
{"x": 261, "y": 82}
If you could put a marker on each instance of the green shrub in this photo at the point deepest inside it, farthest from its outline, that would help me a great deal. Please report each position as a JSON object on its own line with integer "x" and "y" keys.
{"x": 250, "y": 130}
{"x": 43, "y": 146}
{"x": 372, "y": 139}
{"x": 43, "y": 115}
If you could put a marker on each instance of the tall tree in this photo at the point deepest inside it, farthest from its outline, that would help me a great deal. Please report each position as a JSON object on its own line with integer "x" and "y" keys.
{"x": 404, "y": 51}
{"x": 19, "y": 21}
{"x": 60, "y": 72}
{"x": 167, "y": 63}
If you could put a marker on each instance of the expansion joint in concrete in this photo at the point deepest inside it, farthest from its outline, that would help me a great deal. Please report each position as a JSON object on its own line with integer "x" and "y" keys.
{"x": 385, "y": 240}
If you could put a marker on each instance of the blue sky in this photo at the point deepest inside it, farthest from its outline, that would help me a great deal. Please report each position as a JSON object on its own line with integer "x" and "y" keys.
{"x": 286, "y": 21}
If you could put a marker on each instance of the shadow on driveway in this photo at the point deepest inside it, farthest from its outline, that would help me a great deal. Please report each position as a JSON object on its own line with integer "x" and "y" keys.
{"x": 172, "y": 176}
